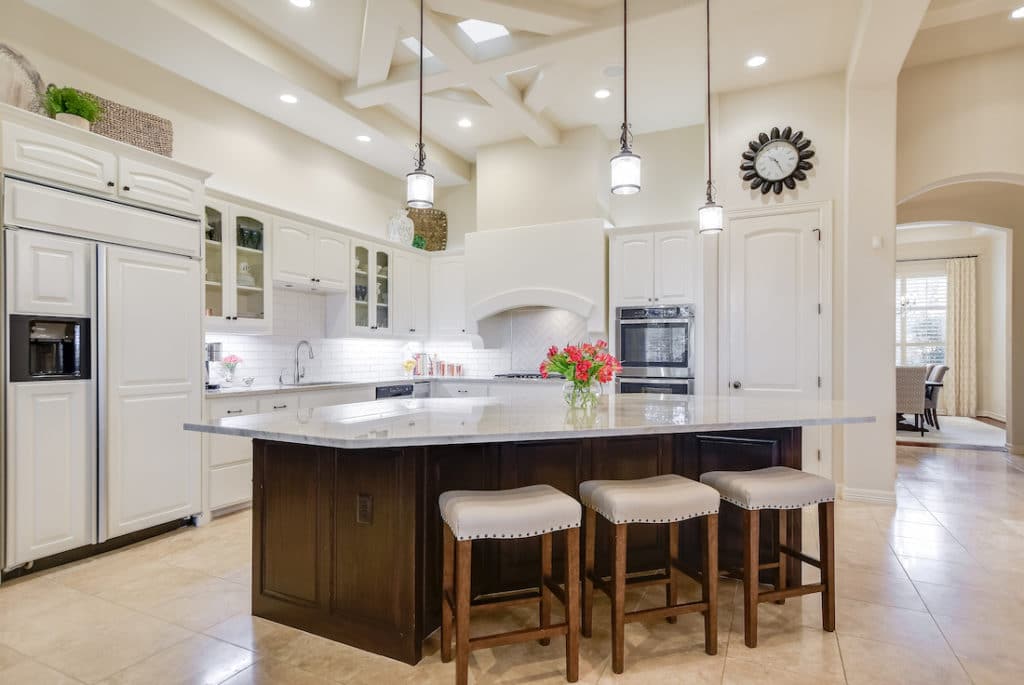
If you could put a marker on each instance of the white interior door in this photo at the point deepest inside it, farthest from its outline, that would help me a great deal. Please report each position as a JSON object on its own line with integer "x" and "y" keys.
{"x": 50, "y": 470}
{"x": 774, "y": 321}
{"x": 150, "y": 328}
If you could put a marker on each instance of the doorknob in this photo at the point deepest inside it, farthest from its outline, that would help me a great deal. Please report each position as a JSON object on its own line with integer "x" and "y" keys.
{"x": 736, "y": 385}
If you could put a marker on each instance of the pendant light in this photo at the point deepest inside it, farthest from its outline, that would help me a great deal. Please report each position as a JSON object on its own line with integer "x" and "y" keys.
{"x": 626, "y": 164}
{"x": 710, "y": 217}
{"x": 419, "y": 185}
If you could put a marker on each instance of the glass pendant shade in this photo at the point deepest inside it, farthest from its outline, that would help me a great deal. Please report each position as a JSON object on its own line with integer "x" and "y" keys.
{"x": 419, "y": 187}
{"x": 626, "y": 173}
{"x": 710, "y": 218}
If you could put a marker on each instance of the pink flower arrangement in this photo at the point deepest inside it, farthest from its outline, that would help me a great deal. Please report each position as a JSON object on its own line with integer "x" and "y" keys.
{"x": 581, "y": 363}
{"x": 231, "y": 361}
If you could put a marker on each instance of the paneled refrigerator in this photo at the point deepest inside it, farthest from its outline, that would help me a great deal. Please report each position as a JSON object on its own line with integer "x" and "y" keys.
{"x": 103, "y": 364}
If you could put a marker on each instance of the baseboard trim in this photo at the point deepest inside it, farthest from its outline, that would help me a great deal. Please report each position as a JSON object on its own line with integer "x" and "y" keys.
{"x": 992, "y": 415}
{"x": 866, "y": 495}
{"x": 1015, "y": 450}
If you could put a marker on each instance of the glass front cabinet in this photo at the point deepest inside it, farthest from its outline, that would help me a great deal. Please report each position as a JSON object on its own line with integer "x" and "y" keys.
{"x": 372, "y": 272}
{"x": 238, "y": 295}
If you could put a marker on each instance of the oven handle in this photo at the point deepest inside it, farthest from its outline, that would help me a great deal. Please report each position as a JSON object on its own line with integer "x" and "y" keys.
{"x": 643, "y": 322}
{"x": 655, "y": 381}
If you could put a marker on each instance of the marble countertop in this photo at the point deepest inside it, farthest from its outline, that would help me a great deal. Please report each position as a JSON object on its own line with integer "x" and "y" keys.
{"x": 242, "y": 390}
{"x": 442, "y": 421}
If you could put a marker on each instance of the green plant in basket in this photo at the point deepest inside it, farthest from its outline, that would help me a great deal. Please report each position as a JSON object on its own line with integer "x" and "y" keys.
{"x": 71, "y": 101}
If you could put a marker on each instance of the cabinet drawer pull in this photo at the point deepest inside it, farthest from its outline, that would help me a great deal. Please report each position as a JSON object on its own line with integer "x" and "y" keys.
{"x": 234, "y": 411}
{"x": 280, "y": 406}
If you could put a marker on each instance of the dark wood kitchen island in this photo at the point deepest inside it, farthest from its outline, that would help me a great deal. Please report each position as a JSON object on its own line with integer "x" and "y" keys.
{"x": 346, "y": 527}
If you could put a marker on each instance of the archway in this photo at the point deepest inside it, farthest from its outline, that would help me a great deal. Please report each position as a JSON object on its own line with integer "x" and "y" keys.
{"x": 995, "y": 200}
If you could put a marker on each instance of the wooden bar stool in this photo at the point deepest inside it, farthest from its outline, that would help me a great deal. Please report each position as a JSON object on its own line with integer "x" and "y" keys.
{"x": 534, "y": 511}
{"x": 780, "y": 488}
{"x": 666, "y": 499}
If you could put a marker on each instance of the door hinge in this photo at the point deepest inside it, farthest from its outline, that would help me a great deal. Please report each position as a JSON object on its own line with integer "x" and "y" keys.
{"x": 819, "y": 381}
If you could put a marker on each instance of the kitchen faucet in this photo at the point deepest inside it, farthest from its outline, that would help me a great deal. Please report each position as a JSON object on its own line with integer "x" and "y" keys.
{"x": 299, "y": 375}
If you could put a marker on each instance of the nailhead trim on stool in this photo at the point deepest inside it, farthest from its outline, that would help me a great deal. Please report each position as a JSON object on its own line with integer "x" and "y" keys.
{"x": 634, "y": 501}
{"x": 747, "y": 489}
{"x": 508, "y": 514}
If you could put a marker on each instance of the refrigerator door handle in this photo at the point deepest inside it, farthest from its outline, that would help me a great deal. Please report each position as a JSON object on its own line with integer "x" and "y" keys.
{"x": 102, "y": 524}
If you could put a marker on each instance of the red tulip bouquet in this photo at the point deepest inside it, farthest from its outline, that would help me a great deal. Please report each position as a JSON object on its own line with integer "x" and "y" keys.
{"x": 585, "y": 368}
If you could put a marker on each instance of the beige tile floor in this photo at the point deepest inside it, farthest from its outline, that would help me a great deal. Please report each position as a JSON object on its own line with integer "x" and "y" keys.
{"x": 931, "y": 591}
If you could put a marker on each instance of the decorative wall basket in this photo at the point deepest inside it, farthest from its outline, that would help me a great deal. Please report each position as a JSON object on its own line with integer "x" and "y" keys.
{"x": 432, "y": 224}
{"x": 135, "y": 127}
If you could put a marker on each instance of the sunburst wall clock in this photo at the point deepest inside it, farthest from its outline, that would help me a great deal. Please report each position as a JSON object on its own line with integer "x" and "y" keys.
{"x": 777, "y": 160}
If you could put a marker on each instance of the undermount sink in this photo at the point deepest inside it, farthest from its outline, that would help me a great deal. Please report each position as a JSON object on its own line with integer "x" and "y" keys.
{"x": 308, "y": 384}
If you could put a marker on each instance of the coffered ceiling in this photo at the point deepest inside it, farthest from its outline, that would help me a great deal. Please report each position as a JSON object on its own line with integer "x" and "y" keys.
{"x": 351, "y": 68}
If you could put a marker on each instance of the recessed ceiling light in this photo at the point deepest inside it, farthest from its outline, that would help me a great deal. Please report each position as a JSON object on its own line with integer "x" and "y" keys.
{"x": 364, "y": 139}
{"x": 1017, "y": 13}
{"x": 302, "y": 4}
{"x": 481, "y": 31}
{"x": 414, "y": 45}
{"x": 756, "y": 61}
{"x": 602, "y": 93}
{"x": 465, "y": 123}
{"x": 289, "y": 98}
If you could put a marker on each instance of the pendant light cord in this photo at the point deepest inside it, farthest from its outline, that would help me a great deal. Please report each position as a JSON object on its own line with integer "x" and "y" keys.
{"x": 627, "y": 136}
{"x": 708, "y": 108}
{"x": 421, "y": 159}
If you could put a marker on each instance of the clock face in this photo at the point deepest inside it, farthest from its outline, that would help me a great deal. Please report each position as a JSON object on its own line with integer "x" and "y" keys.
{"x": 776, "y": 160}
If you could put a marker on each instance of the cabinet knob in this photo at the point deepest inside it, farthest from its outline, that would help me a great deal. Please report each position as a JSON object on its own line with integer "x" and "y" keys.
{"x": 110, "y": 184}
{"x": 126, "y": 188}
{"x": 737, "y": 385}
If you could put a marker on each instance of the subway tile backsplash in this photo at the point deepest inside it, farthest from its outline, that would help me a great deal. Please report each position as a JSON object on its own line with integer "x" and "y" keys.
{"x": 300, "y": 316}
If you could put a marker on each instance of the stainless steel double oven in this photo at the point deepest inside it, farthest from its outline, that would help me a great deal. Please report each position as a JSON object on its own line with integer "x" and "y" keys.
{"x": 655, "y": 346}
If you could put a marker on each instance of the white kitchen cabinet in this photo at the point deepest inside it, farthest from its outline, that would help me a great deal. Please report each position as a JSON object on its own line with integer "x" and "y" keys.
{"x": 411, "y": 300}
{"x": 448, "y": 296}
{"x": 525, "y": 390}
{"x": 457, "y": 389}
{"x": 49, "y": 471}
{"x": 372, "y": 279}
{"x": 239, "y": 296}
{"x": 268, "y": 404}
{"x": 148, "y": 184}
{"x": 653, "y": 268}
{"x": 54, "y": 158}
{"x": 310, "y": 257}
{"x": 52, "y": 274}
{"x": 228, "y": 457}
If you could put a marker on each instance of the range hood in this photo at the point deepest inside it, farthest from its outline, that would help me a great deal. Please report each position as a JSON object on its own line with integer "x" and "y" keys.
{"x": 560, "y": 265}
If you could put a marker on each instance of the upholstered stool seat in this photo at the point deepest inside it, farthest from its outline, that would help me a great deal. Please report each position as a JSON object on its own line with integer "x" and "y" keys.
{"x": 778, "y": 487}
{"x": 518, "y": 513}
{"x": 535, "y": 511}
{"x": 658, "y": 499}
{"x": 666, "y": 499}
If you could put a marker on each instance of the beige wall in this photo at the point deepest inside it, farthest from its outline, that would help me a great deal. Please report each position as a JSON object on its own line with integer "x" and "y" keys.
{"x": 248, "y": 154}
{"x": 459, "y": 203}
{"x": 960, "y": 117}
{"x": 521, "y": 184}
{"x": 990, "y": 246}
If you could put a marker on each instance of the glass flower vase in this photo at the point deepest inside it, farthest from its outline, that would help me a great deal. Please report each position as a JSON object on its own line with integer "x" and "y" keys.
{"x": 581, "y": 394}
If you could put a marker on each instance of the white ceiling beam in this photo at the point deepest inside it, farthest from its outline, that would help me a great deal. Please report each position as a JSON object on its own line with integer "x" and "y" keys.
{"x": 886, "y": 32}
{"x": 403, "y": 83}
{"x": 380, "y": 32}
{"x": 536, "y": 16}
{"x": 545, "y": 86}
{"x": 451, "y": 46}
{"x": 965, "y": 11}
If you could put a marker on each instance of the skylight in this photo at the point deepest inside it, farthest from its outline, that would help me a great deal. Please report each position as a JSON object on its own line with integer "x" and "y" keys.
{"x": 414, "y": 45}
{"x": 481, "y": 31}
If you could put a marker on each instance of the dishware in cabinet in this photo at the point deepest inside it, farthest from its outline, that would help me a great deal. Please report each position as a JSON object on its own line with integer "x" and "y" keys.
{"x": 237, "y": 264}
{"x": 372, "y": 271}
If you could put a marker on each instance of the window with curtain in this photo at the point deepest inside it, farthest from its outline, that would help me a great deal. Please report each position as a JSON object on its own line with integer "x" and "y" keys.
{"x": 921, "y": 313}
